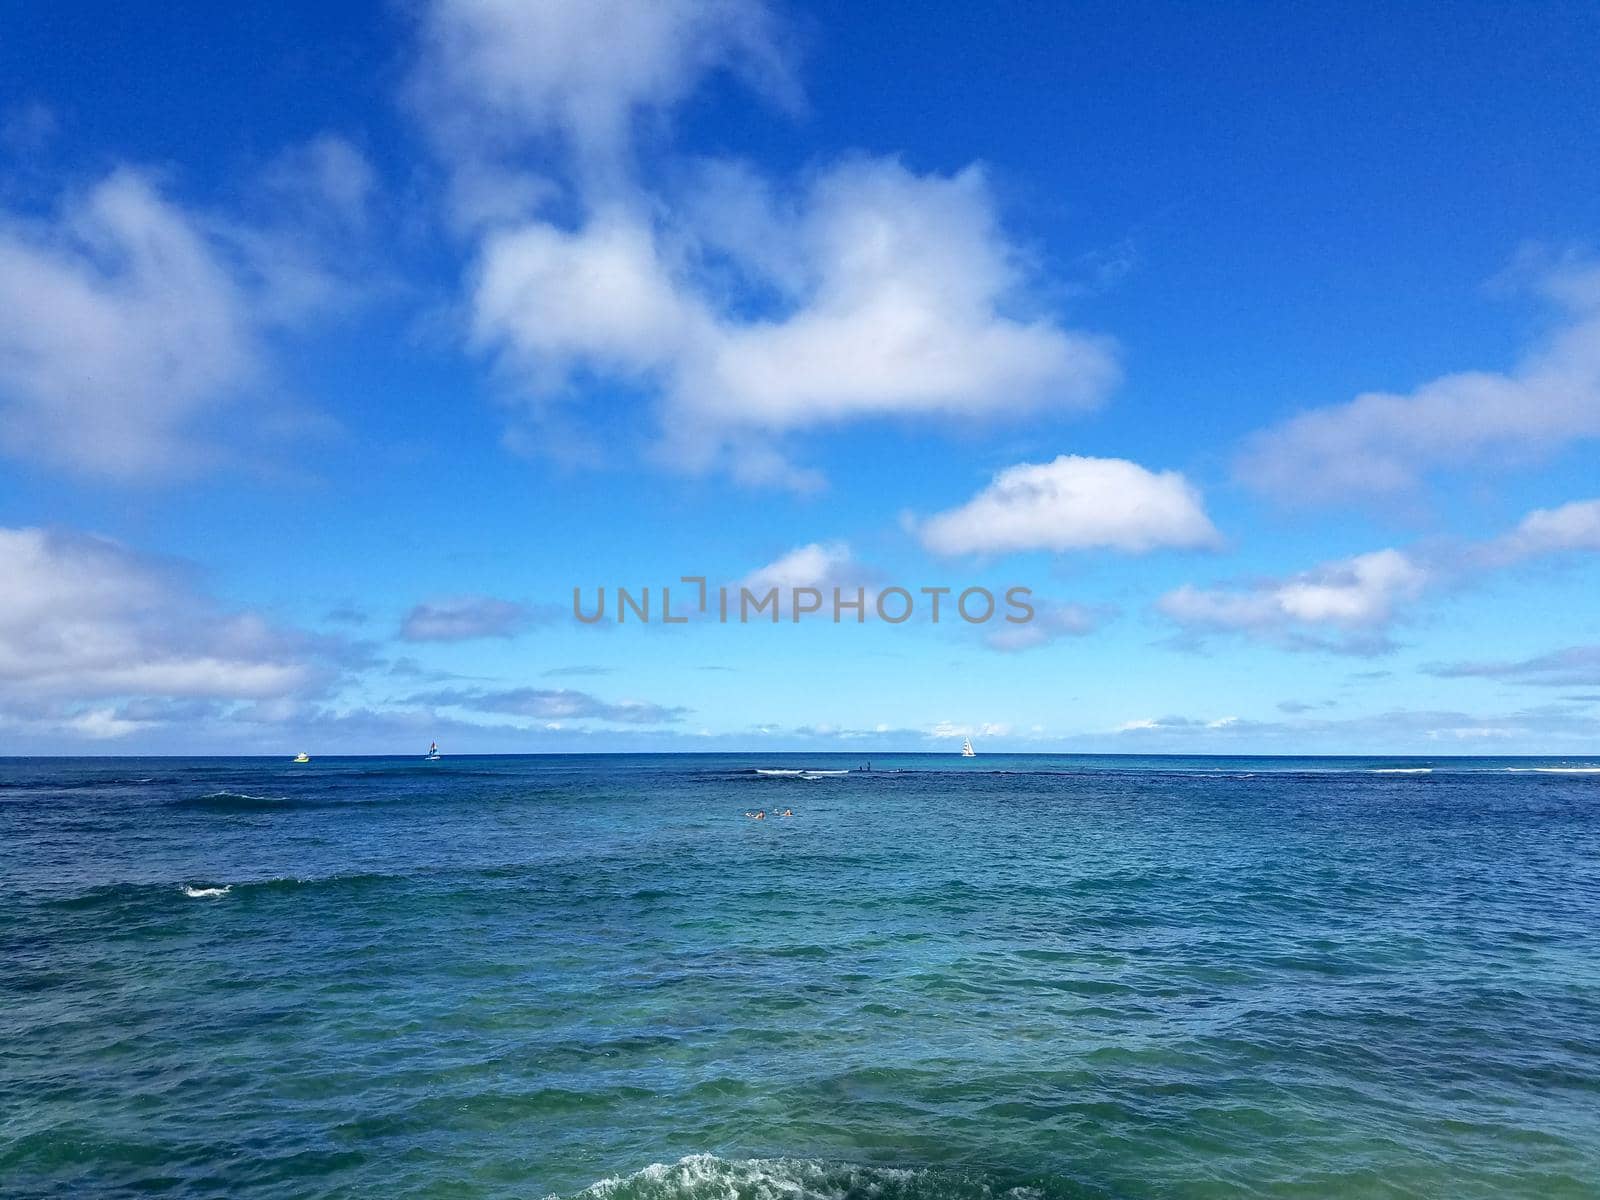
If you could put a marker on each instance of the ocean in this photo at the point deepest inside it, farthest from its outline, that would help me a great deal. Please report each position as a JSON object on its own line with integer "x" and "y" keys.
{"x": 1004, "y": 978}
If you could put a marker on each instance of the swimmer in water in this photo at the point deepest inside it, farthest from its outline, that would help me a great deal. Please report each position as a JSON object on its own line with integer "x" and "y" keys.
{"x": 788, "y": 812}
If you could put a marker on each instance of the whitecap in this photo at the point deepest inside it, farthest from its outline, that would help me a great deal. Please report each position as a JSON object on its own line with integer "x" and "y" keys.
{"x": 207, "y": 893}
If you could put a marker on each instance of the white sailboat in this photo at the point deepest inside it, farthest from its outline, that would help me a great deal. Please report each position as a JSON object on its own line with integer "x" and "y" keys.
{"x": 433, "y": 752}
{"x": 966, "y": 749}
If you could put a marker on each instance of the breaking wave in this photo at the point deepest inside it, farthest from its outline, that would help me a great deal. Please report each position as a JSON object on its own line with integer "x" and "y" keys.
{"x": 707, "y": 1177}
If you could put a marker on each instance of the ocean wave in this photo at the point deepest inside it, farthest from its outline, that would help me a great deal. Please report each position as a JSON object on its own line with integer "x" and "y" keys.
{"x": 207, "y": 893}
{"x": 231, "y": 801}
{"x": 1587, "y": 770}
{"x": 707, "y": 1177}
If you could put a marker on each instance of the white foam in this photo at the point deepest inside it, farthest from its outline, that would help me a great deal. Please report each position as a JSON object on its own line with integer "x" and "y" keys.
{"x": 707, "y": 1177}
{"x": 1402, "y": 770}
{"x": 203, "y": 893}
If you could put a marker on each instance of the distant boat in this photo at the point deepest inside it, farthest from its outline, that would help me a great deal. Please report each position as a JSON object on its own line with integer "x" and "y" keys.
{"x": 302, "y": 757}
{"x": 433, "y": 752}
{"x": 966, "y": 749}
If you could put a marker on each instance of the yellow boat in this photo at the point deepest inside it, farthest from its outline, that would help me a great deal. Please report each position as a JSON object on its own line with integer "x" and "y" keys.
{"x": 302, "y": 757}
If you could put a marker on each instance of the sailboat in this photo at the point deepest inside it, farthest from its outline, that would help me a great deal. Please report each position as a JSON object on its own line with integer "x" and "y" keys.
{"x": 966, "y": 749}
{"x": 433, "y": 752}
{"x": 302, "y": 757}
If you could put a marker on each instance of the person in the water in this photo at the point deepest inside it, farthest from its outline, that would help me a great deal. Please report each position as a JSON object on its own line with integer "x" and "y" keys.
{"x": 788, "y": 812}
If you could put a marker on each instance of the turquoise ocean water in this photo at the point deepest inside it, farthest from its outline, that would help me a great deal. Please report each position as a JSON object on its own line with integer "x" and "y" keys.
{"x": 1007, "y": 978}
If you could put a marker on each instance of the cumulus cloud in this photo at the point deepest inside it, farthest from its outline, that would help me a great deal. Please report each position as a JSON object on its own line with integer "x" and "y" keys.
{"x": 462, "y": 618}
{"x": 83, "y": 620}
{"x": 1382, "y": 443}
{"x": 743, "y": 310}
{"x": 1354, "y": 596}
{"x": 898, "y": 301}
{"x": 557, "y": 704}
{"x": 1359, "y": 597}
{"x": 1075, "y": 503}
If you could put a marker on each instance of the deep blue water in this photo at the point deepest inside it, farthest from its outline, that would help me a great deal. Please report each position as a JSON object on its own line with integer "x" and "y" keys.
{"x": 1007, "y": 978}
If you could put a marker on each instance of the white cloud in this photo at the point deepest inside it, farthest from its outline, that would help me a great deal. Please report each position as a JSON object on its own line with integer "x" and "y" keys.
{"x": 896, "y": 300}
{"x": 583, "y": 72}
{"x": 85, "y": 619}
{"x": 552, "y": 301}
{"x": 564, "y": 703}
{"x": 816, "y": 565}
{"x": 1381, "y": 443}
{"x": 743, "y": 310}
{"x": 131, "y": 326}
{"x": 1362, "y": 595}
{"x": 822, "y": 566}
{"x": 1533, "y": 731}
{"x": 1574, "y": 526}
{"x": 1051, "y": 622}
{"x": 120, "y": 327}
{"x": 1353, "y": 595}
{"x": 948, "y": 730}
{"x": 1075, "y": 503}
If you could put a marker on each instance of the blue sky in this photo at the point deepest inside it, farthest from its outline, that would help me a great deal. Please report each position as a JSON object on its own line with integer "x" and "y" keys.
{"x": 337, "y": 348}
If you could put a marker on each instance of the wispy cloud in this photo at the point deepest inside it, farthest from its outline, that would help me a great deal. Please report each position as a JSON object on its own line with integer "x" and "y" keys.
{"x": 463, "y": 618}
{"x": 1051, "y": 621}
{"x": 1382, "y": 443}
{"x": 131, "y": 323}
{"x": 556, "y": 704}
{"x": 1573, "y": 666}
{"x": 578, "y": 77}
{"x": 1546, "y": 531}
